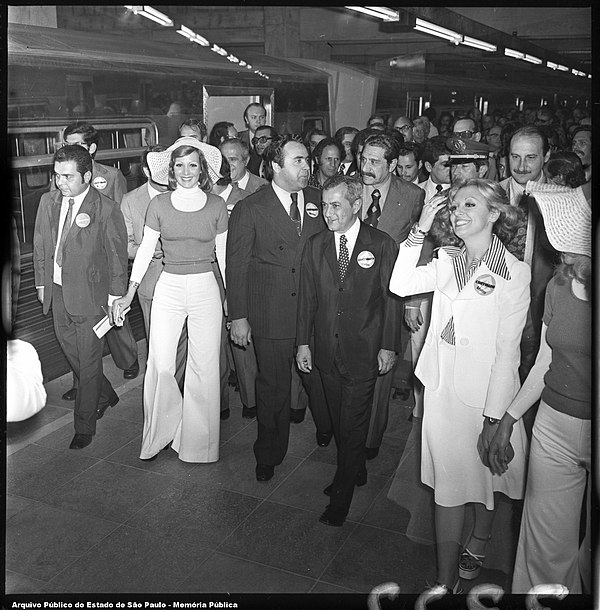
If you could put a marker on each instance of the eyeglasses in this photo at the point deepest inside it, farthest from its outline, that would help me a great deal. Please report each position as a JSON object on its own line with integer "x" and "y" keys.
{"x": 261, "y": 140}
{"x": 464, "y": 135}
{"x": 403, "y": 128}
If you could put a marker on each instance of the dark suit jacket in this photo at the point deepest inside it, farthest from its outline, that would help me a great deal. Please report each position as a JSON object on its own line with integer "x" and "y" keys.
{"x": 94, "y": 257}
{"x": 107, "y": 180}
{"x": 359, "y": 314}
{"x": 263, "y": 261}
{"x": 254, "y": 182}
{"x": 254, "y": 163}
{"x": 401, "y": 209}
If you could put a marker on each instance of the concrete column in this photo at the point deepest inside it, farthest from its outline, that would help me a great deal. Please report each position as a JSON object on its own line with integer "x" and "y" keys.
{"x": 282, "y": 31}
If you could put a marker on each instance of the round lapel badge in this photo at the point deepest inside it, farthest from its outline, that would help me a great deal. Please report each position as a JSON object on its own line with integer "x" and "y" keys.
{"x": 312, "y": 210}
{"x": 82, "y": 220}
{"x": 99, "y": 182}
{"x": 485, "y": 285}
{"x": 365, "y": 259}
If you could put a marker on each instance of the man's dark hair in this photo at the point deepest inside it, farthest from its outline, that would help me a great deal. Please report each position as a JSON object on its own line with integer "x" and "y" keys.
{"x": 344, "y": 131}
{"x": 89, "y": 132}
{"x": 586, "y": 128}
{"x": 388, "y": 142}
{"x": 360, "y": 138}
{"x": 411, "y": 148}
{"x": 320, "y": 147}
{"x": 144, "y": 155}
{"x": 76, "y": 153}
{"x": 196, "y": 125}
{"x": 568, "y": 165}
{"x": 275, "y": 153}
{"x": 434, "y": 148}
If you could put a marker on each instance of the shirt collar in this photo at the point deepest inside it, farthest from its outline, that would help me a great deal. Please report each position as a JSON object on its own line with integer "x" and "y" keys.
{"x": 243, "y": 181}
{"x": 494, "y": 257}
{"x": 78, "y": 199}
{"x": 152, "y": 191}
{"x": 286, "y": 197}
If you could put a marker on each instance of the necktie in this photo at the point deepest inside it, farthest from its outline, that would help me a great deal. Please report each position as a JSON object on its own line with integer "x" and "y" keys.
{"x": 344, "y": 258}
{"x": 235, "y": 184}
{"x": 439, "y": 188}
{"x": 524, "y": 202}
{"x": 374, "y": 211}
{"x": 63, "y": 235}
{"x": 518, "y": 243}
{"x": 295, "y": 213}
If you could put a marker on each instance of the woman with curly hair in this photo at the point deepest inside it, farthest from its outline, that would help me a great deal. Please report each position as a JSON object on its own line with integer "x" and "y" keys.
{"x": 221, "y": 131}
{"x": 549, "y": 549}
{"x": 468, "y": 366}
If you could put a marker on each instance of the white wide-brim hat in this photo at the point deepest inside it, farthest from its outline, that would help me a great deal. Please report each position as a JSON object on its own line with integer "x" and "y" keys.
{"x": 567, "y": 216}
{"x": 158, "y": 162}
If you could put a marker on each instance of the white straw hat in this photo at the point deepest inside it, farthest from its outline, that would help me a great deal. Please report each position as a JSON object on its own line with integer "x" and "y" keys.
{"x": 567, "y": 216}
{"x": 158, "y": 162}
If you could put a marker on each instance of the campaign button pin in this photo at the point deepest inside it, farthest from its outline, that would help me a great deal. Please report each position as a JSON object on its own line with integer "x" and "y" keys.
{"x": 312, "y": 210}
{"x": 365, "y": 259}
{"x": 485, "y": 285}
{"x": 99, "y": 182}
{"x": 82, "y": 220}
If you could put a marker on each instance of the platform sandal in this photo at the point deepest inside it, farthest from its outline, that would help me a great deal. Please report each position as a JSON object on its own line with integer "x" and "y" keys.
{"x": 469, "y": 564}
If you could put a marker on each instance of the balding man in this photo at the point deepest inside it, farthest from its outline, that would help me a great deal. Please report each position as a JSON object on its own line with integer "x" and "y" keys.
{"x": 405, "y": 126}
{"x": 238, "y": 155}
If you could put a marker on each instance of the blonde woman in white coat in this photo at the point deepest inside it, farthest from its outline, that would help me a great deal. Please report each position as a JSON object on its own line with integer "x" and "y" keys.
{"x": 468, "y": 366}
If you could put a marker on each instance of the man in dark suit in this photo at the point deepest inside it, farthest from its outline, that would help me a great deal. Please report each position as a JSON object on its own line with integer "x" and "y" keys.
{"x": 238, "y": 155}
{"x": 111, "y": 183}
{"x": 344, "y": 299}
{"x": 263, "y": 138}
{"x": 255, "y": 115}
{"x": 267, "y": 232}
{"x": 391, "y": 205}
{"x": 80, "y": 264}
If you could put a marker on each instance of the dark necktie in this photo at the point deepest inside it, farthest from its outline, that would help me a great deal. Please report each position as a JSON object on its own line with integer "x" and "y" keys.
{"x": 235, "y": 184}
{"x": 65, "y": 232}
{"x": 517, "y": 244}
{"x": 525, "y": 201}
{"x": 344, "y": 257}
{"x": 439, "y": 188}
{"x": 295, "y": 213}
{"x": 374, "y": 211}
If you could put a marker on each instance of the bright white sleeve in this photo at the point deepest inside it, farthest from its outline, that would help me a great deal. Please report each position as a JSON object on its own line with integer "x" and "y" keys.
{"x": 532, "y": 387}
{"x": 144, "y": 254}
{"x": 220, "y": 247}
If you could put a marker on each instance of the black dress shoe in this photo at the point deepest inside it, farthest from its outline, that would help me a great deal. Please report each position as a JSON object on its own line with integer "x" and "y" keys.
{"x": 248, "y": 412}
{"x": 80, "y": 441}
{"x": 225, "y": 414}
{"x": 371, "y": 452}
{"x": 133, "y": 372}
{"x": 70, "y": 394}
{"x": 324, "y": 439}
{"x": 101, "y": 410}
{"x": 333, "y": 517}
{"x": 297, "y": 416}
{"x": 264, "y": 472}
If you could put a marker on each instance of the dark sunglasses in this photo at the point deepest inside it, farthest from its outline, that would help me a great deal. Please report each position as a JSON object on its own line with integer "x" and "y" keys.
{"x": 261, "y": 140}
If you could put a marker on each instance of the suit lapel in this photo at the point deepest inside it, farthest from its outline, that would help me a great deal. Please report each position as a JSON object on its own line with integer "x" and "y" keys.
{"x": 391, "y": 205}
{"x": 55, "y": 215}
{"x": 278, "y": 217}
{"x": 363, "y": 244}
{"x": 330, "y": 256}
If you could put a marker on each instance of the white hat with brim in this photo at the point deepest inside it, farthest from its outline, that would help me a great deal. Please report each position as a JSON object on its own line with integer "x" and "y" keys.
{"x": 158, "y": 162}
{"x": 567, "y": 216}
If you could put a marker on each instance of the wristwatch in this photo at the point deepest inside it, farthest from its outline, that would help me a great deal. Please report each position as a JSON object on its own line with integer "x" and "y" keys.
{"x": 415, "y": 230}
{"x": 492, "y": 421}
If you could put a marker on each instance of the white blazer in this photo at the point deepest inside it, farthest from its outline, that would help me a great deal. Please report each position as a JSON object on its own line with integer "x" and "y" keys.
{"x": 489, "y": 315}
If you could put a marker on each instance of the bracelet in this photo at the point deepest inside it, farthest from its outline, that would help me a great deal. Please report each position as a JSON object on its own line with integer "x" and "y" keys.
{"x": 492, "y": 421}
{"x": 133, "y": 285}
{"x": 416, "y": 229}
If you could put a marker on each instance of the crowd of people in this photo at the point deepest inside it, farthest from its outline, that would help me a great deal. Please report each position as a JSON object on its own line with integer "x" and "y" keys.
{"x": 304, "y": 267}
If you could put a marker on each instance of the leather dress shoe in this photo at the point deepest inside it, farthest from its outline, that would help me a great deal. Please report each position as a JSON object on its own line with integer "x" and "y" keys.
{"x": 80, "y": 441}
{"x": 264, "y": 472}
{"x": 297, "y": 416}
{"x": 225, "y": 414}
{"x": 101, "y": 410}
{"x": 248, "y": 412}
{"x": 324, "y": 439}
{"x": 333, "y": 516}
{"x": 361, "y": 480}
{"x": 371, "y": 452}
{"x": 133, "y": 372}
{"x": 70, "y": 394}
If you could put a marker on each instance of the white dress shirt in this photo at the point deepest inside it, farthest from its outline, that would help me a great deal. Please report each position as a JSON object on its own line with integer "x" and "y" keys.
{"x": 285, "y": 197}
{"x": 243, "y": 183}
{"x": 351, "y": 235}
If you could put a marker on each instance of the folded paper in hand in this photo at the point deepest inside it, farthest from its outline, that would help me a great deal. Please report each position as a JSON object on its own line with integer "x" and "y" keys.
{"x": 104, "y": 325}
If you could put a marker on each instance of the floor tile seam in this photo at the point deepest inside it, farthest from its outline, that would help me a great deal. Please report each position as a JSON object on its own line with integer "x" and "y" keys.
{"x": 264, "y": 565}
{"x": 333, "y": 584}
{"x": 18, "y": 573}
{"x": 285, "y": 477}
{"x": 354, "y": 528}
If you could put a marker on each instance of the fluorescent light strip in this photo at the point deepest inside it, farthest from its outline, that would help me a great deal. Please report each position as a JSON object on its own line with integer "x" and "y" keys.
{"x": 562, "y": 68}
{"x": 512, "y": 53}
{"x": 387, "y": 14}
{"x": 532, "y": 59}
{"x": 551, "y": 65}
{"x": 436, "y": 30}
{"x": 479, "y": 44}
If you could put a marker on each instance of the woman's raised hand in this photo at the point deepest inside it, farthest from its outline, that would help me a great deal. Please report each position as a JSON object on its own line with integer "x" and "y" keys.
{"x": 430, "y": 209}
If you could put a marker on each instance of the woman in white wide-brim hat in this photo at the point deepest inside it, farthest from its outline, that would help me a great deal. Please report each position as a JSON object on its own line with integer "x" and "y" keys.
{"x": 549, "y": 549}
{"x": 190, "y": 222}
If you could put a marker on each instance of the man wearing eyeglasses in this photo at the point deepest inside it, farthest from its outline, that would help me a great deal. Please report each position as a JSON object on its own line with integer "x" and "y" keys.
{"x": 262, "y": 138}
{"x": 465, "y": 128}
{"x": 405, "y": 126}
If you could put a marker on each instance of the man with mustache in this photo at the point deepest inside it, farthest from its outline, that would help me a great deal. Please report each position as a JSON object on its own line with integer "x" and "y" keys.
{"x": 267, "y": 233}
{"x": 393, "y": 206}
{"x": 582, "y": 147}
{"x": 529, "y": 151}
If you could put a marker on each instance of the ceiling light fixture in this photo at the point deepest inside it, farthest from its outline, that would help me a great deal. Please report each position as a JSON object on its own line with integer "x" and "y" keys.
{"x": 532, "y": 59}
{"x": 192, "y": 36}
{"x": 562, "y": 68}
{"x": 436, "y": 30}
{"x": 551, "y": 65}
{"x": 512, "y": 53}
{"x": 479, "y": 44}
{"x": 380, "y": 12}
{"x": 150, "y": 13}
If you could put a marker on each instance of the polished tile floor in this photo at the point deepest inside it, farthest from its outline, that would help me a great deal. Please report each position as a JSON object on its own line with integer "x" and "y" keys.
{"x": 102, "y": 521}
